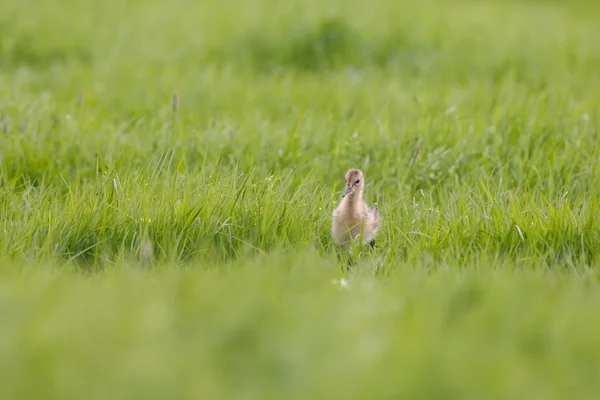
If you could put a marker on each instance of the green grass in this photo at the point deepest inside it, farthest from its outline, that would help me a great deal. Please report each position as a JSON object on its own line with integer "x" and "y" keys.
{"x": 158, "y": 251}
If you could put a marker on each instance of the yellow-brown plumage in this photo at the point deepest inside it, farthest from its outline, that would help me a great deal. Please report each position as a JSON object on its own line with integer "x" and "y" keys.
{"x": 353, "y": 215}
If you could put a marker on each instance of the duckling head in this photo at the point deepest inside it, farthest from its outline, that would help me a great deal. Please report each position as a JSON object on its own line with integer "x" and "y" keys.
{"x": 354, "y": 182}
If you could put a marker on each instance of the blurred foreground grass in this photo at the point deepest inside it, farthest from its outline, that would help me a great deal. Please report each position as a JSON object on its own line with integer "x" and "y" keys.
{"x": 275, "y": 326}
{"x": 168, "y": 171}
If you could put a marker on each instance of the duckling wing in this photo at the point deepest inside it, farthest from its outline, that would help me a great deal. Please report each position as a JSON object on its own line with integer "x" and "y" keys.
{"x": 371, "y": 221}
{"x": 375, "y": 217}
{"x": 375, "y": 208}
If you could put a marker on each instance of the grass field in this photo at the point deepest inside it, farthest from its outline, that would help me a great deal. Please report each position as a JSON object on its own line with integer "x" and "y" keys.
{"x": 168, "y": 172}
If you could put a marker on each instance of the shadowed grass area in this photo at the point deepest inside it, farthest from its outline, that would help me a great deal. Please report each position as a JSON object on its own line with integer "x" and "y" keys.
{"x": 168, "y": 173}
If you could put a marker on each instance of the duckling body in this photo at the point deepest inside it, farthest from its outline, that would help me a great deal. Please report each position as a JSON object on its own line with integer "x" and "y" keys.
{"x": 353, "y": 215}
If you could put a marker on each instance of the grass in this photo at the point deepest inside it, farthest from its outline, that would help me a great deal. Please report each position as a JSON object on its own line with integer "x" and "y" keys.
{"x": 168, "y": 172}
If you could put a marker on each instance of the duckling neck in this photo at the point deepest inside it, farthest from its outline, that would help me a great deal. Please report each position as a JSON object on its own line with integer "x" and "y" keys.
{"x": 353, "y": 199}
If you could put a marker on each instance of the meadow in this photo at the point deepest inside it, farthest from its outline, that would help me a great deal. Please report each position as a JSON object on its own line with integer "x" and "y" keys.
{"x": 168, "y": 172}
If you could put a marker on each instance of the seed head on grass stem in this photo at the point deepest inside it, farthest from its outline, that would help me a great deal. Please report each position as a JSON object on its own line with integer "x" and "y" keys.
{"x": 79, "y": 101}
{"x": 175, "y": 102}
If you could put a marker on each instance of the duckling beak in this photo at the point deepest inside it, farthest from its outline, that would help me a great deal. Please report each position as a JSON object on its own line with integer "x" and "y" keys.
{"x": 348, "y": 190}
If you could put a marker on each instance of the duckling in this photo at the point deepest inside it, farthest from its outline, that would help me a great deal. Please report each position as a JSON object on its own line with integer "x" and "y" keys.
{"x": 352, "y": 211}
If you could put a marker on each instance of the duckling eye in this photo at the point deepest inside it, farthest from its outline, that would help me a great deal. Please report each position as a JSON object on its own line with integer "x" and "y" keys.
{"x": 357, "y": 182}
